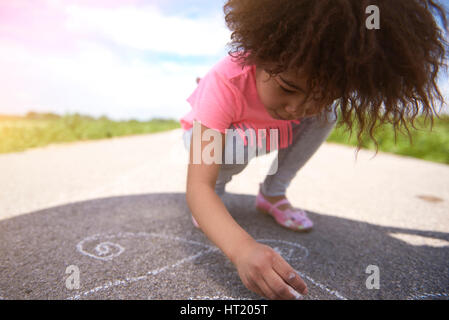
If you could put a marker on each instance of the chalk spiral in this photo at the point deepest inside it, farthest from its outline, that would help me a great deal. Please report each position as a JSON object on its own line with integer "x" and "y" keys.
{"x": 105, "y": 250}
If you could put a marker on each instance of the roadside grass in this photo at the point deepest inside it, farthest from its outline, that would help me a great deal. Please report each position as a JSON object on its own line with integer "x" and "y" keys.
{"x": 426, "y": 144}
{"x": 37, "y": 130}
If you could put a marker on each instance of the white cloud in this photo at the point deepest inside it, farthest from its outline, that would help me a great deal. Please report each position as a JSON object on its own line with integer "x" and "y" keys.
{"x": 95, "y": 79}
{"x": 149, "y": 29}
{"x": 95, "y": 82}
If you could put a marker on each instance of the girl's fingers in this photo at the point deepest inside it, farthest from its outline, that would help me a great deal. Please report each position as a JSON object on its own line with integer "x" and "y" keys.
{"x": 289, "y": 275}
{"x": 266, "y": 289}
{"x": 260, "y": 288}
{"x": 279, "y": 287}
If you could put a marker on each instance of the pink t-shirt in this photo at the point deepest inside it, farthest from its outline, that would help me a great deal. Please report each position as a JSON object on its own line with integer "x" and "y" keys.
{"x": 227, "y": 95}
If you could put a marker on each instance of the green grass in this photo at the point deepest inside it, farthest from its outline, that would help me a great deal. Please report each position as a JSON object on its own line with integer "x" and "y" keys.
{"x": 431, "y": 145}
{"x": 36, "y": 130}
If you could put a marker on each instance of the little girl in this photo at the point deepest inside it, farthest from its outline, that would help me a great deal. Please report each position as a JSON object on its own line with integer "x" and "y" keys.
{"x": 295, "y": 64}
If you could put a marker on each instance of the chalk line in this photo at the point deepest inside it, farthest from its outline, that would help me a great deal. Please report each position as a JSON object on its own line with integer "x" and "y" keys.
{"x": 103, "y": 248}
{"x": 288, "y": 255}
{"x": 322, "y": 286}
{"x": 106, "y": 247}
{"x": 129, "y": 280}
{"x": 428, "y": 295}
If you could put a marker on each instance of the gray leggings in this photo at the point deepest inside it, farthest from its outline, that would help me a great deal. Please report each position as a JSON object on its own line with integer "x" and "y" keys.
{"x": 307, "y": 138}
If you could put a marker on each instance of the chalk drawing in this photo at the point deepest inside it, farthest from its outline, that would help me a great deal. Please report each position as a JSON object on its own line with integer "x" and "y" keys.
{"x": 322, "y": 286}
{"x": 288, "y": 250}
{"x": 129, "y": 280}
{"x": 108, "y": 250}
{"x": 108, "y": 247}
{"x": 428, "y": 295}
{"x": 103, "y": 248}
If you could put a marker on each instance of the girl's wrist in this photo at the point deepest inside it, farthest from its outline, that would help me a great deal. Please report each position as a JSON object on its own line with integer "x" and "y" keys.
{"x": 239, "y": 248}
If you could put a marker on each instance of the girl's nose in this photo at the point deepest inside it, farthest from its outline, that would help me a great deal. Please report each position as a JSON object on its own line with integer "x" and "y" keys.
{"x": 293, "y": 111}
{"x": 290, "y": 109}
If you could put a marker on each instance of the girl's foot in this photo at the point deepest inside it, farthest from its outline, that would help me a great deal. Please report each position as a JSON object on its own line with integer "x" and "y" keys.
{"x": 283, "y": 212}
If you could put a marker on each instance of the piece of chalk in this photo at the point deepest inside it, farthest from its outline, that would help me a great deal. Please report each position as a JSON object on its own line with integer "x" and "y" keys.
{"x": 297, "y": 295}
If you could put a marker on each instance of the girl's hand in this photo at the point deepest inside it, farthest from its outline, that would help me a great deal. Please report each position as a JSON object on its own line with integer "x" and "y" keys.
{"x": 263, "y": 271}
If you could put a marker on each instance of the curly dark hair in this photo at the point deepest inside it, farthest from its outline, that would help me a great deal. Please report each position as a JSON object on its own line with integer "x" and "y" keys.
{"x": 385, "y": 75}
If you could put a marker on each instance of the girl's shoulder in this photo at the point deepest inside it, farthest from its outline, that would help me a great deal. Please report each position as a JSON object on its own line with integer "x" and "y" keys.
{"x": 229, "y": 69}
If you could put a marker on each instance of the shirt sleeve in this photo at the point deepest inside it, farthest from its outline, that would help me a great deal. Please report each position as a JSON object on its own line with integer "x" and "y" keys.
{"x": 214, "y": 102}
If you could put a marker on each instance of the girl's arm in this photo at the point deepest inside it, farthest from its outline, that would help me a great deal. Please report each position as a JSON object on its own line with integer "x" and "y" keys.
{"x": 206, "y": 206}
{"x": 261, "y": 269}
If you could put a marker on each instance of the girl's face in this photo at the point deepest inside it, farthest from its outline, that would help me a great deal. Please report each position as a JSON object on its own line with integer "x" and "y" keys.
{"x": 283, "y": 96}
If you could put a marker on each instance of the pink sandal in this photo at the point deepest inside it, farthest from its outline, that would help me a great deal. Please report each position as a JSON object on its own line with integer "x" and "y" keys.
{"x": 294, "y": 219}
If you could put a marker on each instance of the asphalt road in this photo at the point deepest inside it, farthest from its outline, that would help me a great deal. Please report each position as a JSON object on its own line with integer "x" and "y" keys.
{"x": 112, "y": 214}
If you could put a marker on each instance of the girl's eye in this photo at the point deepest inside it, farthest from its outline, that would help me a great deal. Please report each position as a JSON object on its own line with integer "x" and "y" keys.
{"x": 285, "y": 90}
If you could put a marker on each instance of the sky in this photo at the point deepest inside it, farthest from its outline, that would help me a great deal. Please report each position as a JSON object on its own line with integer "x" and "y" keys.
{"x": 125, "y": 59}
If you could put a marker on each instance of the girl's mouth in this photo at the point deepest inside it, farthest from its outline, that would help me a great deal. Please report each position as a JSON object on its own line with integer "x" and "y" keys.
{"x": 273, "y": 113}
{"x": 283, "y": 118}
